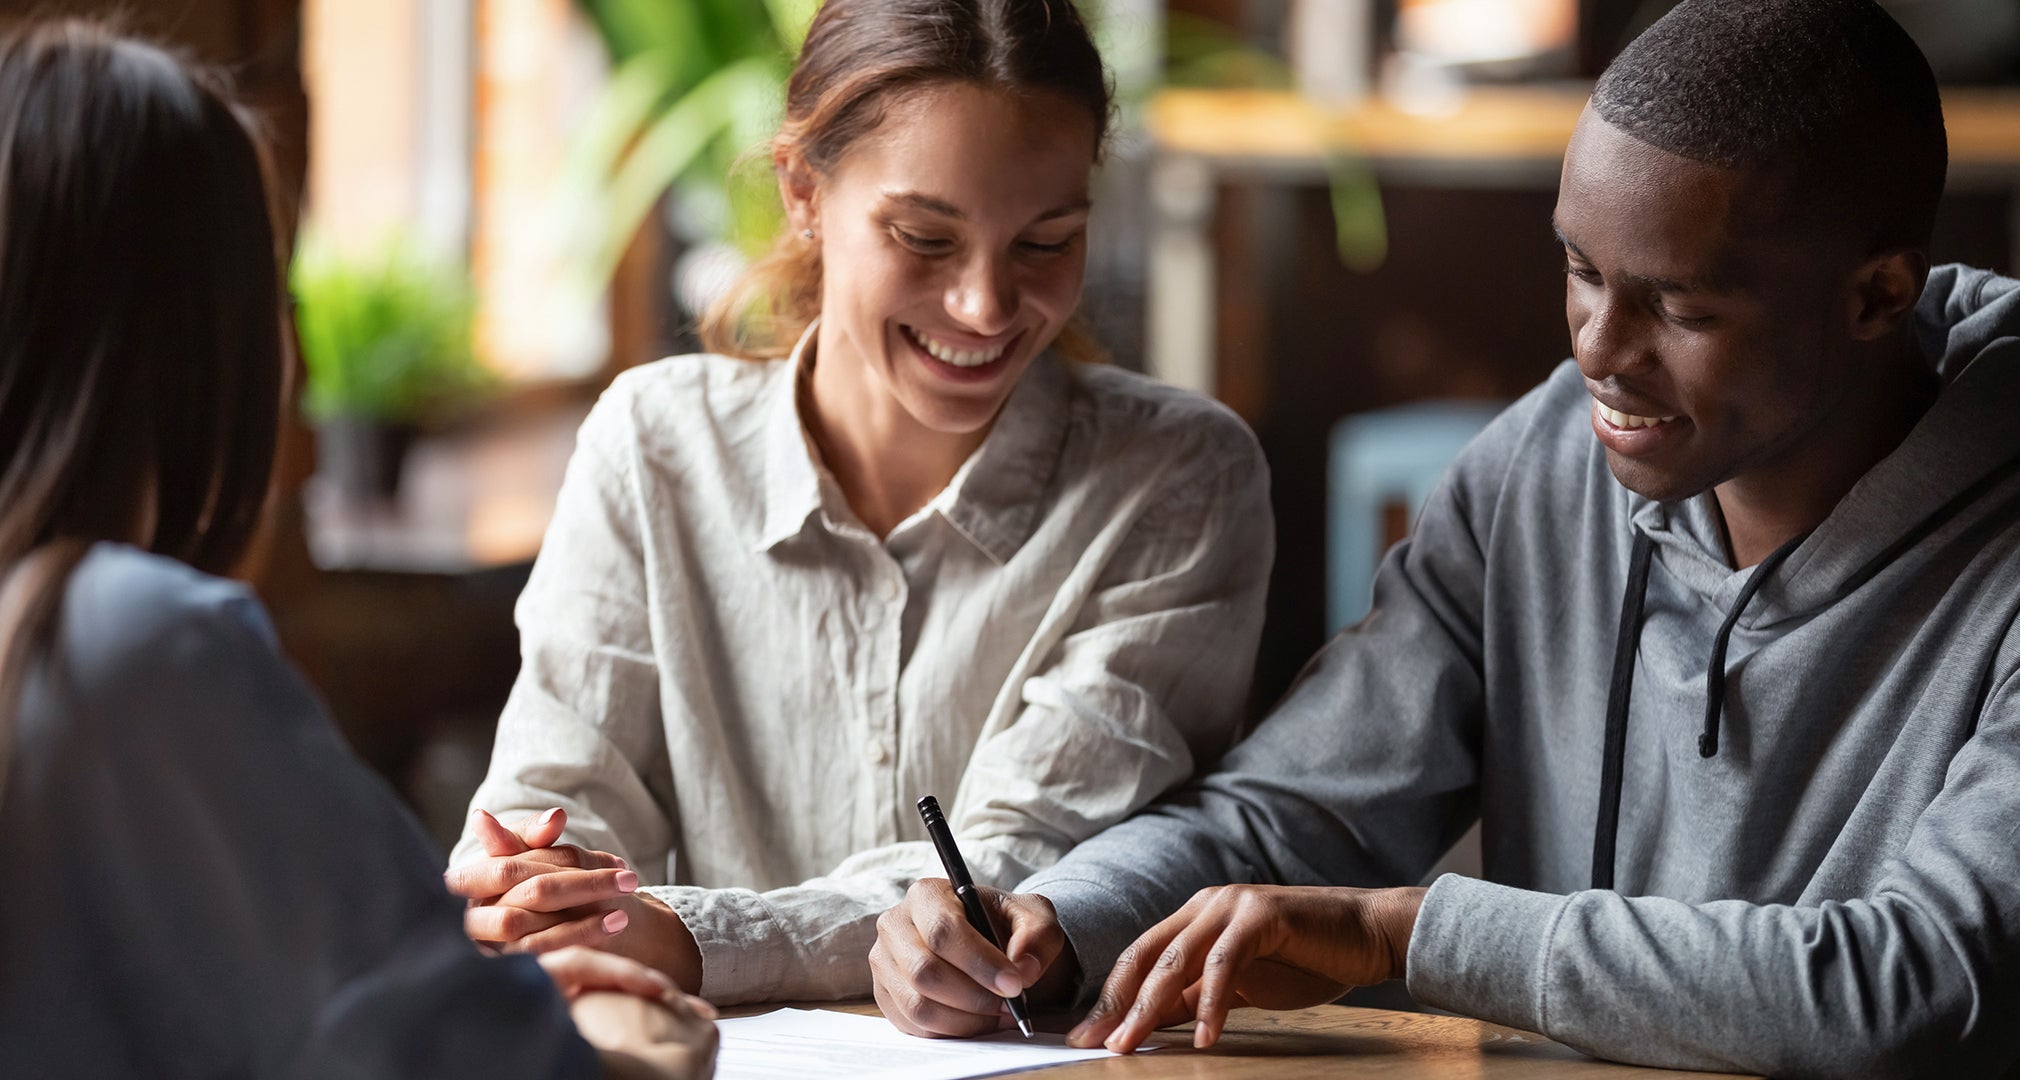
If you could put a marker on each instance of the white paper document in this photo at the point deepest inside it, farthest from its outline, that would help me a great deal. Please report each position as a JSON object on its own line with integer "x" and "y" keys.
{"x": 793, "y": 1043}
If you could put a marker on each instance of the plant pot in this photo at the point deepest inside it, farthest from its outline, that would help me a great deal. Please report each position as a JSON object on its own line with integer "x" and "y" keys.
{"x": 362, "y": 456}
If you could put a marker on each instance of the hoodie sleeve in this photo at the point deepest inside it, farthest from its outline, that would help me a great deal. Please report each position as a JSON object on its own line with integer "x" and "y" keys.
{"x": 1920, "y": 977}
{"x": 1364, "y": 775}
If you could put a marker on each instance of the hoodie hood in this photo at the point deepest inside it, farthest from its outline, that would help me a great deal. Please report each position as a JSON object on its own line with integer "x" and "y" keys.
{"x": 1968, "y": 325}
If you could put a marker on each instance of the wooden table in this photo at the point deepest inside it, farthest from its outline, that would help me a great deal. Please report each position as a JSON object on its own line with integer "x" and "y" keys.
{"x": 1334, "y": 1041}
{"x": 1488, "y": 137}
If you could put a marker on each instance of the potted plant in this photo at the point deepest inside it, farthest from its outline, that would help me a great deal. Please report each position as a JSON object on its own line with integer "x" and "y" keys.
{"x": 386, "y": 340}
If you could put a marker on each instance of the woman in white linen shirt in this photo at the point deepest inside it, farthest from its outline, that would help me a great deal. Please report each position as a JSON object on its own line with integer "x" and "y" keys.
{"x": 887, "y": 544}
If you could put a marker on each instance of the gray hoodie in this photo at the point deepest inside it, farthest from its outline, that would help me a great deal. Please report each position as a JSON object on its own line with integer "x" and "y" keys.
{"x": 1816, "y": 869}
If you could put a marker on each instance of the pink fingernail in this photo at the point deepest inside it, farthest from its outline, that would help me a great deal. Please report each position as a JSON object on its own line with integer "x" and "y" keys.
{"x": 627, "y": 881}
{"x": 547, "y": 818}
{"x": 615, "y": 922}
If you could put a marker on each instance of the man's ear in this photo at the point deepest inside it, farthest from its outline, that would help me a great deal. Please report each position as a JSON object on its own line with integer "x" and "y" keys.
{"x": 1885, "y": 291}
{"x": 797, "y": 190}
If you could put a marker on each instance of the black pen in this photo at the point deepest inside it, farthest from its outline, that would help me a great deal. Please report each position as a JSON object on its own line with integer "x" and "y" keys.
{"x": 964, "y": 887}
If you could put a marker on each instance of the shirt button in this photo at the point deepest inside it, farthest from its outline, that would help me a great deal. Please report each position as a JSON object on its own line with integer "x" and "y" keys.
{"x": 890, "y": 589}
{"x": 878, "y": 755}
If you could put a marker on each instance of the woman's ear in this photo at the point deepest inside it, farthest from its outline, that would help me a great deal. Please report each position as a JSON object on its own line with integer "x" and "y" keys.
{"x": 1887, "y": 289}
{"x": 797, "y": 190}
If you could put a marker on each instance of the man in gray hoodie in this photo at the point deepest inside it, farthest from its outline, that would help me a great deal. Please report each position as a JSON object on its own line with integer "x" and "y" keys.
{"x": 1711, "y": 632}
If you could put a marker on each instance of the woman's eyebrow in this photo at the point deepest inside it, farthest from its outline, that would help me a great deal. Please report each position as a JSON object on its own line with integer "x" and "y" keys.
{"x": 927, "y": 203}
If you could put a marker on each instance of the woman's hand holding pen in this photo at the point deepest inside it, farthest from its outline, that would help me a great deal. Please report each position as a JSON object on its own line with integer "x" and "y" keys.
{"x": 532, "y": 894}
{"x": 935, "y": 975}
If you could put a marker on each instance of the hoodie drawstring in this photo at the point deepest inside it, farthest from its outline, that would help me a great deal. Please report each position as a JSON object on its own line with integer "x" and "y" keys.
{"x": 1626, "y": 645}
{"x": 1618, "y": 695}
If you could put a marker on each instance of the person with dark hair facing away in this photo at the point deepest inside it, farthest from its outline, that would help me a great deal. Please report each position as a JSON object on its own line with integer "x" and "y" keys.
{"x": 885, "y": 540}
{"x": 201, "y": 880}
{"x": 1712, "y": 633}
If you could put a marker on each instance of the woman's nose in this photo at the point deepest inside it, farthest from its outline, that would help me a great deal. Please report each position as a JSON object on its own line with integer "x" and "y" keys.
{"x": 985, "y": 297}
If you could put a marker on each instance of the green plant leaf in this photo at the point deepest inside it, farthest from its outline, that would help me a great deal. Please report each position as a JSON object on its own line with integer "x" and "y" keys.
{"x": 1360, "y": 228}
{"x": 385, "y": 336}
{"x": 673, "y": 143}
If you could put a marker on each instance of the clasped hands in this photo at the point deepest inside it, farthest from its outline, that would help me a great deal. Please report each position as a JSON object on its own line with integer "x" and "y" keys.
{"x": 531, "y": 893}
{"x": 1270, "y": 947}
{"x": 628, "y": 992}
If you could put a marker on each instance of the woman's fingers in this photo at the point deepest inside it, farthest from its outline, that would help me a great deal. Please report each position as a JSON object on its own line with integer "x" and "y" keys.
{"x": 577, "y": 970}
{"x": 593, "y": 929}
{"x": 496, "y": 839}
{"x": 564, "y": 889}
{"x": 497, "y": 924}
{"x": 542, "y": 830}
{"x": 489, "y": 879}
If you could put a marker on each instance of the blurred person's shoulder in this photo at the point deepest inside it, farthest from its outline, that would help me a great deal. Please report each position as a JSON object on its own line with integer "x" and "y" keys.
{"x": 141, "y": 633}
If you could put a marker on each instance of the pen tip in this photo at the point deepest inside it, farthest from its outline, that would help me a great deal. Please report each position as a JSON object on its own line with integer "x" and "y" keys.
{"x": 1025, "y": 1027}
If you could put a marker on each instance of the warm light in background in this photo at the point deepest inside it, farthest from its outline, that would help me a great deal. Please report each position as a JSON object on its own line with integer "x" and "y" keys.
{"x": 440, "y": 127}
{"x": 359, "y": 60}
{"x": 537, "y": 67}
{"x": 1485, "y": 31}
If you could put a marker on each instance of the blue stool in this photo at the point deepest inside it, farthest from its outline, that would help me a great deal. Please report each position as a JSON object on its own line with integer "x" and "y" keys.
{"x": 1378, "y": 460}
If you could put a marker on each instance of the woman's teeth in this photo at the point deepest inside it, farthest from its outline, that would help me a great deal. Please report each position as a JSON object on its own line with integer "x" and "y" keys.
{"x": 947, "y": 354}
{"x": 1629, "y": 420}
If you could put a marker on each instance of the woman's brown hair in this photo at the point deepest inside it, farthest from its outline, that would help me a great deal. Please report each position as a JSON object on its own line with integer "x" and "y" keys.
{"x": 140, "y": 320}
{"x": 857, "y": 55}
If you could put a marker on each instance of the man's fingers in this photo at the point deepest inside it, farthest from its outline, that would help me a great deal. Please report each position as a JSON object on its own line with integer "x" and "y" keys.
{"x": 593, "y": 930}
{"x": 1119, "y": 992}
{"x": 496, "y": 839}
{"x": 914, "y": 1013}
{"x": 1160, "y": 998}
{"x": 564, "y": 889}
{"x": 910, "y": 962}
{"x": 1035, "y": 938}
{"x": 1215, "y": 991}
{"x": 942, "y": 924}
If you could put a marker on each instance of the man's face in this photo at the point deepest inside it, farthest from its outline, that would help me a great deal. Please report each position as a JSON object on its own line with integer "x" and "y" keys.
{"x": 1708, "y": 332}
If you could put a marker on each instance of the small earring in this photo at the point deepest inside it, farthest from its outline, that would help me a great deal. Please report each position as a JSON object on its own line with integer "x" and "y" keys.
{"x": 806, "y": 234}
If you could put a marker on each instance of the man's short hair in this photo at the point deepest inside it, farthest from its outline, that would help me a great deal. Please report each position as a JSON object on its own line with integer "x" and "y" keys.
{"x": 1833, "y": 94}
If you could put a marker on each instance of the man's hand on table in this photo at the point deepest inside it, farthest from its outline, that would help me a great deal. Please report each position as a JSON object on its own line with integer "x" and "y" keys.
{"x": 1267, "y": 946}
{"x": 1271, "y": 947}
{"x": 532, "y": 894}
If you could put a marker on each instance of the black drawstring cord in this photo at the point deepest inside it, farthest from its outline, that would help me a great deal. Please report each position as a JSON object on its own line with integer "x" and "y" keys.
{"x": 1620, "y": 694}
{"x": 1714, "y": 674}
{"x": 1626, "y": 644}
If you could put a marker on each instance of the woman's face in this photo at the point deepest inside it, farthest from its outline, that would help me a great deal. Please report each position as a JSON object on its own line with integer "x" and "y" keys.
{"x": 953, "y": 242}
